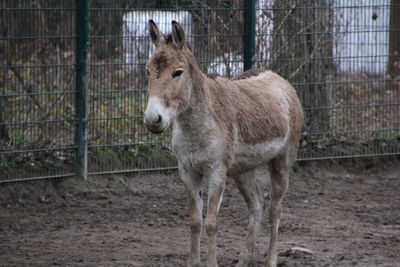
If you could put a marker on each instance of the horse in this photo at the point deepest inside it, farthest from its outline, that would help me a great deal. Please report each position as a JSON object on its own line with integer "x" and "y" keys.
{"x": 223, "y": 128}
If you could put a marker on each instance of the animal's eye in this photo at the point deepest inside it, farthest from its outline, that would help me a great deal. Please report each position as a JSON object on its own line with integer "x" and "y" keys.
{"x": 147, "y": 72}
{"x": 177, "y": 73}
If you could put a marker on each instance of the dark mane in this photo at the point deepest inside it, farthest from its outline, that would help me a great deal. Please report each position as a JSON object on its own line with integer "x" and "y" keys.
{"x": 213, "y": 75}
{"x": 247, "y": 74}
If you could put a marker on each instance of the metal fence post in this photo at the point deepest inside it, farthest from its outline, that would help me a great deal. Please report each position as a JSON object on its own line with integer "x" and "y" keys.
{"x": 82, "y": 46}
{"x": 249, "y": 28}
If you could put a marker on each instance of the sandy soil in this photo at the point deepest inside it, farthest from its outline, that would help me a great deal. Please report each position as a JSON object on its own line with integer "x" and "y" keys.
{"x": 347, "y": 213}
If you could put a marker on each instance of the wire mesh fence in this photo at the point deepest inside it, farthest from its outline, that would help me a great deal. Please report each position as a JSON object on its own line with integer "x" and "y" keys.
{"x": 342, "y": 57}
{"x": 337, "y": 55}
{"x": 36, "y": 89}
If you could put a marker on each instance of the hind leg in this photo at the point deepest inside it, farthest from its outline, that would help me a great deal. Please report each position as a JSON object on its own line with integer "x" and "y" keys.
{"x": 247, "y": 185}
{"x": 279, "y": 183}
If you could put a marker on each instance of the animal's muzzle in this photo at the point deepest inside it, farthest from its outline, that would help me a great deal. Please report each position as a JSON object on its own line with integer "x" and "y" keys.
{"x": 154, "y": 124}
{"x": 156, "y": 116}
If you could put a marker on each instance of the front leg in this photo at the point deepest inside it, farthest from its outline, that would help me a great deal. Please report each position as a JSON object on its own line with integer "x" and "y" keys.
{"x": 193, "y": 183}
{"x": 216, "y": 185}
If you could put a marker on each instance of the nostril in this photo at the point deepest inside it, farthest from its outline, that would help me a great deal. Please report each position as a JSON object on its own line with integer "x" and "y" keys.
{"x": 159, "y": 119}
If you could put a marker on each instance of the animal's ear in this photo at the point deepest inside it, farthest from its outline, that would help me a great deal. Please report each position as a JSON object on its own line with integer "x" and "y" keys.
{"x": 155, "y": 34}
{"x": 178, "y": 35}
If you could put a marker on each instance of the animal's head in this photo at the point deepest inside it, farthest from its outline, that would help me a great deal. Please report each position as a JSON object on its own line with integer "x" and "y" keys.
{"x": 168, "y": 71}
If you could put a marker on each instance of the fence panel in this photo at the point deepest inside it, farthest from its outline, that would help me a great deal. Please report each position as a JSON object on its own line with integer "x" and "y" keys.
{"x": 37, "y": 92}
{"x": 342, "y": 57}
{"x": 336, "y": 53}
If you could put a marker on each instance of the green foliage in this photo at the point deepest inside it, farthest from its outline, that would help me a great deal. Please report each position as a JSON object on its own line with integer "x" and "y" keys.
{"x": 18, "y": 138}
{"x": 140, "y": 156}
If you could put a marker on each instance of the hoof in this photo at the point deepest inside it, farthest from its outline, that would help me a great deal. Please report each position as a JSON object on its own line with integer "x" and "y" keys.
{"x": 193, "y": 263}
{"x": 244, "y": 262}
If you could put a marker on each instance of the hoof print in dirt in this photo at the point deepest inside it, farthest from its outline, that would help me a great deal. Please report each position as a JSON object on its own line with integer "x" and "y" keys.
{"x": 297, "y": 253}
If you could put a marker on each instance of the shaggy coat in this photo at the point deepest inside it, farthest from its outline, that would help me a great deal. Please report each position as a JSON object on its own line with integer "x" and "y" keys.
{"x": 223, "y": 128}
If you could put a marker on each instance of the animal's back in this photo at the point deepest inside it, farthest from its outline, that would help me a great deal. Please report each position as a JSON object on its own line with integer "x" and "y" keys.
{"x": 268, "y": 107}
{"x": 267, "y": 114}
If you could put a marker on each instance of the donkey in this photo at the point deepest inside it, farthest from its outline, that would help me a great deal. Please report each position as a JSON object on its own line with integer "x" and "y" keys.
{"x": 223, "y": 128}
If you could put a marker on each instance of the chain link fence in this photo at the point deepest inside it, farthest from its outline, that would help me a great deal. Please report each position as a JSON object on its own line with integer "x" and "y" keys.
{"x": 342, "y": 57}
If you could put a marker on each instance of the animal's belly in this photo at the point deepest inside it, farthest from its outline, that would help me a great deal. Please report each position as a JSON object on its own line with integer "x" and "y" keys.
{"x": 249, "y": 156}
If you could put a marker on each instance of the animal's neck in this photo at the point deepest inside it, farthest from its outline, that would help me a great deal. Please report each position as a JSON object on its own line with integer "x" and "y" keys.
{"x": 199, "y": 109}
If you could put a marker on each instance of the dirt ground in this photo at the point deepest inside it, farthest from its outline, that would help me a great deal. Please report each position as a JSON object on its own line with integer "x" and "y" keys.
{"x": 347, "y": 213}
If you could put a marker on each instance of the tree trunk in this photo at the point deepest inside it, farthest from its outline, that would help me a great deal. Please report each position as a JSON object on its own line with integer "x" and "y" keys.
{"x": 394, "y": 39}
{"x": 4, "y": 136}
{"x": 301, "y": 52}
